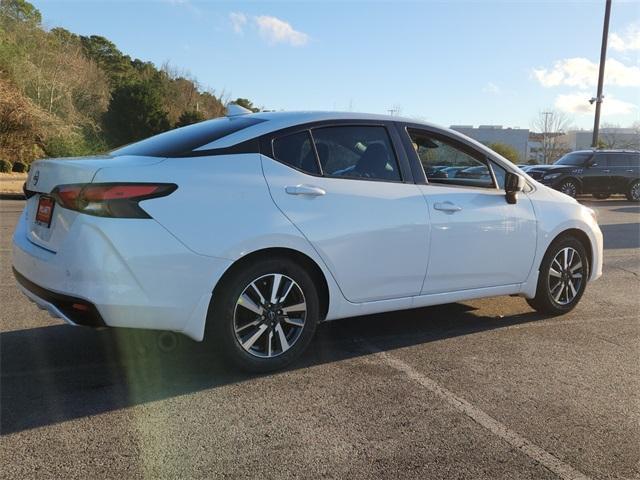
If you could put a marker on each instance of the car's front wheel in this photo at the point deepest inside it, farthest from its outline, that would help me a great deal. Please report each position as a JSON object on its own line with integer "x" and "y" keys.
{"x": 264, "y": 315}
{"x": 562, "y": 277}
{"x": 569, "y": 187}
{"x": 633, "y": 194}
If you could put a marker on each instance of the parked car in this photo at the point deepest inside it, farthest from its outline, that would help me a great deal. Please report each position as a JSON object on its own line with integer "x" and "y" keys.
{"x": 251, "y": 229}
{"x": 598, "y": 172}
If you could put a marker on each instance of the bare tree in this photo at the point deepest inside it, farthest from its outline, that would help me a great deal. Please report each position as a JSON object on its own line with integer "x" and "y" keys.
{"x": 612, "y": 136}
{"x": 552, "y": 125}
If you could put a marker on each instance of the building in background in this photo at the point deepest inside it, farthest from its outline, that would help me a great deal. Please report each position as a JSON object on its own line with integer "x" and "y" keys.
{"x": 517, "y": 138}
{"x": 610, "y": 137}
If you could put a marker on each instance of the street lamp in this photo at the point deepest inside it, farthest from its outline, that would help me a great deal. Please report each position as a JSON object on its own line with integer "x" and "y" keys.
{"x": 603, "y": 55}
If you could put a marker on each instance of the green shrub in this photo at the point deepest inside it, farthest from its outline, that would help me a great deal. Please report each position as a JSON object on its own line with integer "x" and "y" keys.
{"x": 5, "y": 167}
{"x": 19, "y": 167}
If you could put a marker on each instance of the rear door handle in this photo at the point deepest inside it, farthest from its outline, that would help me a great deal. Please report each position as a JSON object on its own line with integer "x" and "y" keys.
{"x": 308, "y": 190}
{"x": 606, "y": 171}
{"x": 447, "y": 207}
{"x": 630, "y": 170}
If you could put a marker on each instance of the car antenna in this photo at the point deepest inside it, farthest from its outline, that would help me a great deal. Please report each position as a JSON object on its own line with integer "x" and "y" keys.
{"x": 234, "y": 110}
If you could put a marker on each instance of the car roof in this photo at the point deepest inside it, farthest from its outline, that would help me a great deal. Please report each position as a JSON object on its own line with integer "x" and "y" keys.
{"x": 606, "y": 150}
{"x": 273, "y": 121}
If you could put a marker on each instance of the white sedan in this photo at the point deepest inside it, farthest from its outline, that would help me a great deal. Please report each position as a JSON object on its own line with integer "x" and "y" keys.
{"x": 253, "y": 228}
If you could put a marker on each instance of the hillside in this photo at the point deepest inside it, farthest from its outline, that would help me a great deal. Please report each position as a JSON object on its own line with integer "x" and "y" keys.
{"x": 63, "y": 94}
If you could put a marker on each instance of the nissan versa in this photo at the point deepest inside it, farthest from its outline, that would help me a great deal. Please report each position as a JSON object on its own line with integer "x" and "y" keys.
{"x": 253, "y": 228}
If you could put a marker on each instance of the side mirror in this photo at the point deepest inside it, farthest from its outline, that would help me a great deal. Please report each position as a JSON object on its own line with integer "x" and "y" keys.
{"x": 513, "y": 183}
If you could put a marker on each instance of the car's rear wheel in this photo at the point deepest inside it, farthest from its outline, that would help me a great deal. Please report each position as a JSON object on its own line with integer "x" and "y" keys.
{"x": 569, "y": 187}
{"x": 562, "y": 278}
{"x": 601, "y": 196}
{"x": 264, "y": 315}
{"x": 633, "y": 194}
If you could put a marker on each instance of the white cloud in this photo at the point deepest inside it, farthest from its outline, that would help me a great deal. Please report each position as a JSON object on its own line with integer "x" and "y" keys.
{"x": 629, "y": 40}
{"x": 491, "y": 87}
{"x": 275, "y": 31}
{"x": 582, "y": 72}
{"x": 579, "y": 103}
{"x": 238, "y": 21}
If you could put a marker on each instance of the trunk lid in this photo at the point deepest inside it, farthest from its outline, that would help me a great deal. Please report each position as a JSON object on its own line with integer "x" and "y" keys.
{"x": 45, "y": 175}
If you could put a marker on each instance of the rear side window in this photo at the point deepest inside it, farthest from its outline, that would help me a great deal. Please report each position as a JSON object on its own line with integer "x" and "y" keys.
{"x": 624, "y": 160}
{"x": 296, "y": 150}
{"x": 363, "y": 152}
{"x": 183, "y": 141}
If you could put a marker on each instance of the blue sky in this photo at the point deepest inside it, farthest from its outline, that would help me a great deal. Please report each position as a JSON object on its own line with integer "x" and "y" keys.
{"x": 453, "y": 62}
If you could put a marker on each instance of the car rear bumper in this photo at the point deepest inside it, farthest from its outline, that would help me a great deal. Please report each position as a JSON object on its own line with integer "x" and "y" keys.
{"x": 73, "y": 310}
{"x": 119, "y": 273}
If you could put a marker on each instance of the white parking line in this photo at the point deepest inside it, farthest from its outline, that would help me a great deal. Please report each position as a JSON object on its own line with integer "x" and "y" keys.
{"x": 514, "y": 439}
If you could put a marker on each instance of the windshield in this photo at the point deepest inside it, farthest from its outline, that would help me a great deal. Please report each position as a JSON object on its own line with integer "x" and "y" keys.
{"x": 182, "y": 141}
{"x": 575, "y": 158}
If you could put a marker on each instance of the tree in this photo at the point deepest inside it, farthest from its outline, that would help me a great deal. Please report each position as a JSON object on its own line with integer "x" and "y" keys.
{"x": 135, "y": 112}
{"x": 612, "y": 136}
{"x": 111, "y": 60}
{"x": 189, "y": 117}
{"x": 552, "y": 125}
{"x": 507, "y": 151}
{"x": 20, "y": 10}
{"x": 246, "y": 103}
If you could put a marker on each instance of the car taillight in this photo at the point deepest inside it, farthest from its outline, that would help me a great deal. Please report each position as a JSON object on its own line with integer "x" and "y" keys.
{"x": 110, "y": 199}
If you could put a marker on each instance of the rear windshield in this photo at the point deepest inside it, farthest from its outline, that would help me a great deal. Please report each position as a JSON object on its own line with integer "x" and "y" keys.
{"x": 183, "y": 141}
{"x": 576, "y": 158}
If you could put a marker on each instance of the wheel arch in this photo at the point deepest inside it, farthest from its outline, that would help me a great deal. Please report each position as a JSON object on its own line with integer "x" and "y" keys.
{"x": 283, "y": 252}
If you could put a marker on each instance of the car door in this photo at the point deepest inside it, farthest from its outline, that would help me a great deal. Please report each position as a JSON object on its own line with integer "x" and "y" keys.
{"x": 622, "y": 171}
{"x": 596, "y": 175}
{"x": 478, "y": 240}
{"x": 345, "y": 190}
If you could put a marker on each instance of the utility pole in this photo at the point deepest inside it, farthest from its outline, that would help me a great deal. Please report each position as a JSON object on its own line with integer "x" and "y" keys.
{"x": 603, "y": 55}
{"x": 545, "y": 146}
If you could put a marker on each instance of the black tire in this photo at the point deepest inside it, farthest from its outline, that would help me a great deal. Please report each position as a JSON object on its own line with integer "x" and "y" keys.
{"x": 569, "y": 187}
{"x": 601, "y": 196}
{"x": 633, "y": 193}
{"x": 545, "y": 300}
{"x": 221, "y": 318}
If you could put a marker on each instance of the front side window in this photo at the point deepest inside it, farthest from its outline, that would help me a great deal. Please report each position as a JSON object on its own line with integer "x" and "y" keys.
{"x": 363, "y": 152}
{"x": 446, "y": 163}
{"x": 500, "y": 174}
{"x": 296, "y": 151}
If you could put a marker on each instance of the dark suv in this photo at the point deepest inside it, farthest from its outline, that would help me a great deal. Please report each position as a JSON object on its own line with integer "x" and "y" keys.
{"x": 599, "y": 172}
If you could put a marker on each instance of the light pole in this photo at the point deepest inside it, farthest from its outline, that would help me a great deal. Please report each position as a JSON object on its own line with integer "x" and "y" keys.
{"x": 545, "y": 146}
{"x": 603, "y": 55}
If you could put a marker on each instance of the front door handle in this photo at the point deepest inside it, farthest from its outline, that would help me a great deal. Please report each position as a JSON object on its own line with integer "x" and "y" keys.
{"x": 308, "y": 190}
{"x": 447, "y": 207}
{"x": 606, "y": 171}
{"x": 630, "y": 170}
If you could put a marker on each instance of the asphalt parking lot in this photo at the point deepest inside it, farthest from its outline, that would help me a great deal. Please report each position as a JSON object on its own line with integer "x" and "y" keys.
{"x": 481, "y": 389}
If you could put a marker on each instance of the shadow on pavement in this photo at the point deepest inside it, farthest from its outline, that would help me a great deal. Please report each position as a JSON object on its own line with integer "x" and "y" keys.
{"x": 635, "y": 209}
{"x": 621, "y": 235}
{"x": 59, "y": 373}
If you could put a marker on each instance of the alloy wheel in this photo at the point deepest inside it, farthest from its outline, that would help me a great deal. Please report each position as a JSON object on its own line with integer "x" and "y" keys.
{"x": 635, "y": 191}
{"x": 566, "y": 275}
{"x": 569, "y": 188}
{"x": 269, "y": 315}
